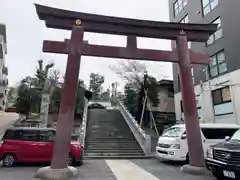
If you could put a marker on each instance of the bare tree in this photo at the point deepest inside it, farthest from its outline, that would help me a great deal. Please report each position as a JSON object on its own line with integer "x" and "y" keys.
{"x": 55, "y": 75}
{"x": 131, "y": 71}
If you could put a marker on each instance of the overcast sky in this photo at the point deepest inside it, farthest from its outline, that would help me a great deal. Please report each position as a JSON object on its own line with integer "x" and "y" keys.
{"x": 25, "y": 34}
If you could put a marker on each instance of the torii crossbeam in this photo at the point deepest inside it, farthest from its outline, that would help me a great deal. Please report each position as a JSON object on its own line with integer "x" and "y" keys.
{"x": 79, "y": 23}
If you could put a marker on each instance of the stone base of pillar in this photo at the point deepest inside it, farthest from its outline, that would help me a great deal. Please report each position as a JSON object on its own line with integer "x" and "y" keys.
{"x": 47, "y": 173}
{"x": 195, "y": 170}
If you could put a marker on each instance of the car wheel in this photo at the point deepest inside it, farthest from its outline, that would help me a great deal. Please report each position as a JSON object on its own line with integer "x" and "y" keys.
{"x": 9, "y": 160}
{"x": 71, "y": 160}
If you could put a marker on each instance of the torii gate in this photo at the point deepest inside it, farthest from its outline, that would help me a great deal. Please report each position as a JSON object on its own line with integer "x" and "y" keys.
{"x": 79, "y": 23}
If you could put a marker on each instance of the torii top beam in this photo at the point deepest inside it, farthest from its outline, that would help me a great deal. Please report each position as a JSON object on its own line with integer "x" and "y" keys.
{"x": 64, "y": 19}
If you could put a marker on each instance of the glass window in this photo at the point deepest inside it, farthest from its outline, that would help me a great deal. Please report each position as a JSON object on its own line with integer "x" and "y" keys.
{"x": 222, "y": 101}
{"x": 222, "y": 109}
{"x": 226, "y": 95}
{"x": 179, "y": 5}
{"x": 221, "y": 96}
{"x": 217, "y": 97}
{"x": 218, "y": 133}
{"x": 218, "y": 34}
{"x": 214, "y": 71}
{"x": 47, "y": 135}
{"x": 29, "y": 135}
{"x": 222, "y": 68}
{"x": 185, "y": 20}
{"x": 210, "y": 40}
{"x": 9, "y": 134}
{"x": 213, "y": 60}
{"x": 174, "y": 132}
{"x": 236, "y": 135}
{"x": 208, "y": 5}
{"x": 218, "y": 64}
{"x": 214, "y": 4}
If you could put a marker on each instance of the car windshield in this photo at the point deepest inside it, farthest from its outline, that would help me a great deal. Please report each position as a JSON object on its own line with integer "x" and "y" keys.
{"x": 236, "y": 135}
{"x": 174, "y": 132}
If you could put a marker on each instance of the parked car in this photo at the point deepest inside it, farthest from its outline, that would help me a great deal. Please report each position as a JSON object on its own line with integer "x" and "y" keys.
{"x": 172, "y": 145}
{"x": 25, "y": 144}
{"x": 223, "y": 159}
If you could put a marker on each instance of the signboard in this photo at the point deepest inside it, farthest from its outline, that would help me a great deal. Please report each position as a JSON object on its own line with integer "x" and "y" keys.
{"x": 44, "y": 108}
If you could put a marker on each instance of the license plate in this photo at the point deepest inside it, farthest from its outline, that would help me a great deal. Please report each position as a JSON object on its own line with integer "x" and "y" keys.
{"x": 229, "y": 174}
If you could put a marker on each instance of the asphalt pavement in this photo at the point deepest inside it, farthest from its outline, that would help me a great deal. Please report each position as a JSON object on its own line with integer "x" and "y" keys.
{"x": 142, "y": 169}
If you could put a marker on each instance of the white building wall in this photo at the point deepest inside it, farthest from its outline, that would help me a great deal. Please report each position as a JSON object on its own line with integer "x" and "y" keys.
{"x": 3, "y": 88}
{"x": 205, "y": 100}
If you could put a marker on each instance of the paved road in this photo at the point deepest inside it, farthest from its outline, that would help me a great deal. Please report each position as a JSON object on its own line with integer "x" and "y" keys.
{"x": 6, "y": 120}
{"x": 147, "y": 169}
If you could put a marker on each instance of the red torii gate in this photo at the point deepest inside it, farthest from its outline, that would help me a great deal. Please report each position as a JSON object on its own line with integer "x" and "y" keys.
{"x": 75, "y": 47}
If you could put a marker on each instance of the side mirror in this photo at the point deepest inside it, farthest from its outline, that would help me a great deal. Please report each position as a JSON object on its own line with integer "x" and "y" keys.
{"x": 227, "y": 138}
{"x": 184, "y": 136}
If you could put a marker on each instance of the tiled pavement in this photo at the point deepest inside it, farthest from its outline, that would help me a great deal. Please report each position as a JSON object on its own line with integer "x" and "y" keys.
{"x": 146, "y": 169}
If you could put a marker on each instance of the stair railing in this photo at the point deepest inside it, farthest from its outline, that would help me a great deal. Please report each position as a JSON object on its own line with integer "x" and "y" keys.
{"x": 143, "y": 139}
{"x": 83, "y": 127}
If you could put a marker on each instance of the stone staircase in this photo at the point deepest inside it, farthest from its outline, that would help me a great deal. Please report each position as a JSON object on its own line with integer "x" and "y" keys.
{"x": 109, "y": 136}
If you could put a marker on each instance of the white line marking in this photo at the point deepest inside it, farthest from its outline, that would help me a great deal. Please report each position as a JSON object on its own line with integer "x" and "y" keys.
{"x": 125, "y": 169}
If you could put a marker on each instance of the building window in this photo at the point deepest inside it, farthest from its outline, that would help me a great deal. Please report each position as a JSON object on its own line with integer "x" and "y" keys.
{"x": 218, "y": 64}
{"x": 208, "y": 5}
{"x": 1, "y": 51}
{"x": 184, "y": 20}
{"x": 218, "y": 34}
{"x": 178, "y": 6}
{"x": 222, "y": 101}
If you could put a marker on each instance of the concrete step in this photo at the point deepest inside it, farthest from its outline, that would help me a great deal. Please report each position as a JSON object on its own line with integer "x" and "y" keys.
{"x": 129, "y": 154}
{"x": 116, "y": 157}
{"x": 112, "y": 148}
{"x": 110, "y": 138}
{"x": 124, "y": 144}
{"x": 112, "y": 145}
{"x": 110, "y": 141}
{"x": 113, "y": 151}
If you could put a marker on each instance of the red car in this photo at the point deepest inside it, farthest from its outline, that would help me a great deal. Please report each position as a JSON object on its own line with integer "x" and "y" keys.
{"x": 33, "y": 145}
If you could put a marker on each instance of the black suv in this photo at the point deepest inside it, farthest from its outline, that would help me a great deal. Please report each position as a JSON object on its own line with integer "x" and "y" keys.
{"x": 223, "y": 159}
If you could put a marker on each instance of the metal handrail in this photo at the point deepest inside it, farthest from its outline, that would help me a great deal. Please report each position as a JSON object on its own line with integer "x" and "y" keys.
{"x": 83, "y": 127}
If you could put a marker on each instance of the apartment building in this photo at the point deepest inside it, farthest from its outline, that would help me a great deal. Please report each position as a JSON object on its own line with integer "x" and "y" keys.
{"x": 217, "y": 86}
{"x": 3, "y": 68}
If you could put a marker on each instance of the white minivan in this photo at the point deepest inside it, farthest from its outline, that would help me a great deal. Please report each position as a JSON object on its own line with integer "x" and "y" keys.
{"x": 172, "y": 145}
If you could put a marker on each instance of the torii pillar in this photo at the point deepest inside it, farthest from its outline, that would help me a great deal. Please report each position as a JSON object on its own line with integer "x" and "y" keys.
{"x": 59, "y": 169}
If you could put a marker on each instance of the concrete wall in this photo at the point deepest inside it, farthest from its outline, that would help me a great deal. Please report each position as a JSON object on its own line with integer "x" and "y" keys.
{"x": 3, "y": 87}
{"x": 205, "y": 99}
